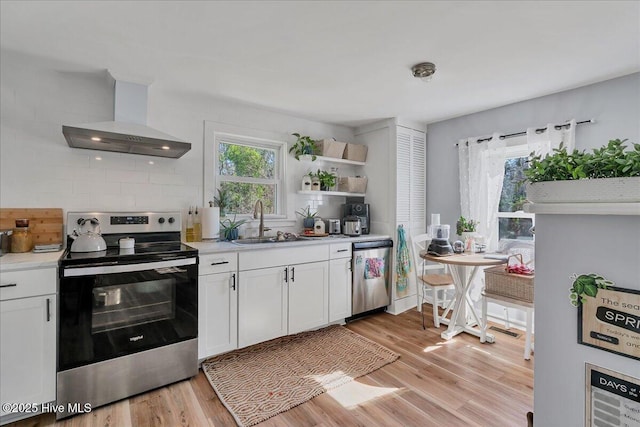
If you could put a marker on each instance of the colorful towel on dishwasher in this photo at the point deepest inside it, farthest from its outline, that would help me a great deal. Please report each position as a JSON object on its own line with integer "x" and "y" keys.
{"x": 373, "y": 268}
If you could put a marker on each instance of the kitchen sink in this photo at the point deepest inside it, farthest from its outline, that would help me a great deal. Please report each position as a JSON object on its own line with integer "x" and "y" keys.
{"x": 260, "y": 240}
{"x": 254, "y": 241}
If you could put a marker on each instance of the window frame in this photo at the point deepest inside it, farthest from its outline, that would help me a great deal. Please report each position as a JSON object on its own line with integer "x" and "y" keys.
{"x": 216, "y": 133}
{"x": 516, "y": 148}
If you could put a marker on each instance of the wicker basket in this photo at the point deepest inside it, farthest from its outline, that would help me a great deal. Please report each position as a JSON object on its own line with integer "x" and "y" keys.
{"x": 330, "y": 148}
{"x": 356, "y": 152}
{"x": 352, "y": 184}
{"x": 511, "y": 285}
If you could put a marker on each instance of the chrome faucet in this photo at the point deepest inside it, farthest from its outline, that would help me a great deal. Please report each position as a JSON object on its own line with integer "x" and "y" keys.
{"x": 262, "y": 228}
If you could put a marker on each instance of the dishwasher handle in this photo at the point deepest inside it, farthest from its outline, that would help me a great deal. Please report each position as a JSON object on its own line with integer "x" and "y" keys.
{"x": 373, "y": 244}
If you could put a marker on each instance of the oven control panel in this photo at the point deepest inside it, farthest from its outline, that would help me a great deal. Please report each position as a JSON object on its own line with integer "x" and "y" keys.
{"x": 115, "y": 220}
{"x": 125, "y": 222}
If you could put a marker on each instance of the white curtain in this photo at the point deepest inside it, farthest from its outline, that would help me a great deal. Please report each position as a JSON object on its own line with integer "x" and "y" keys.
{"x": 481, "y": 168}
{"x": 544, "y": 141}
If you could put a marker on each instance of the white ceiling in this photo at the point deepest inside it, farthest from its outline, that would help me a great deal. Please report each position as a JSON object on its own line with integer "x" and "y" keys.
{"x": 339, "y": 62}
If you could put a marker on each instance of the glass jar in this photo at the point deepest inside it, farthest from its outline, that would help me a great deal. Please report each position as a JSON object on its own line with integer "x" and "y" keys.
{"x": 315, "y": 183}
{"x": 21, "y": 239}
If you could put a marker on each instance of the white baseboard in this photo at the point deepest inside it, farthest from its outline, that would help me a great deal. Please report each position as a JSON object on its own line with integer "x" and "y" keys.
{"x": 403, "y": 304}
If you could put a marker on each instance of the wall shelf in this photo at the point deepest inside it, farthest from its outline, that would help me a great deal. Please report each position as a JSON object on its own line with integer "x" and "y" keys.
{"x": 331, "y": 193}
{"x": 336, "y": 160}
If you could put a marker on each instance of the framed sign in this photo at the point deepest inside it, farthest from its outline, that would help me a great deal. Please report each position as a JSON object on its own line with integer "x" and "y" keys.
{"x": 610, "y": 320}
{"x": 612, "y": 399}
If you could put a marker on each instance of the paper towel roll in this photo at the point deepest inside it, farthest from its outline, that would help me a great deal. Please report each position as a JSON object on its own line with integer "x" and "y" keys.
{"x": 210, "y": 223}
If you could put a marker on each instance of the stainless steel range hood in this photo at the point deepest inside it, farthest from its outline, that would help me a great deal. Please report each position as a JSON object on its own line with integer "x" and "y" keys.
{"x": 128, "y": 133}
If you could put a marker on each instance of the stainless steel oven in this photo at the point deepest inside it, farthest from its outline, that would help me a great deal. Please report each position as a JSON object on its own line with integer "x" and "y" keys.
{"x": 128, "y": 319}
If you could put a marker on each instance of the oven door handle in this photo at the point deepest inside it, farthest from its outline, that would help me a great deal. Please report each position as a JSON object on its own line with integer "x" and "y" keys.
{"x": 127, "y": 268}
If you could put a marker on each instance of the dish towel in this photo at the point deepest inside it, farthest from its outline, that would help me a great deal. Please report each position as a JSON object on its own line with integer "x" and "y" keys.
{"x": 403, "y": 263}
{"x": 373, "y": 268}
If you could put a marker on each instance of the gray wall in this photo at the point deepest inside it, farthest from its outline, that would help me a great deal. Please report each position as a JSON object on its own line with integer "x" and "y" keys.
{"x": 566, "y": 245}
{"x": 615, "y": 104}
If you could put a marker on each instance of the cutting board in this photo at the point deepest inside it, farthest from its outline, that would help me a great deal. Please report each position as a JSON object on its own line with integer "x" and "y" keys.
{"x": 46, "y": 224}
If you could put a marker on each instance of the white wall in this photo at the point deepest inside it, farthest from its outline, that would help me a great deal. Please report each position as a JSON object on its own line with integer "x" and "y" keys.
{"x": 39, "y": 169}
{"x": 615, "y": 104}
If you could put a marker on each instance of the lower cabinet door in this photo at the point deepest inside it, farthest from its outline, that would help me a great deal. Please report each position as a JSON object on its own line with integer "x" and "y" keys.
{"x": 308, "y": 296}
{"x": 27, "y": 351}
{"x": 262, "y": 305}
{"x": 217, "y": 314}
{"x": 339, "y": 289}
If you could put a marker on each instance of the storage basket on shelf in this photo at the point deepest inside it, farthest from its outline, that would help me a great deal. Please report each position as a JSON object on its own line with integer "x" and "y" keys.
{"x": 330, "y": 148}
{"x": 353, "y": 184}
{"x": 498, "y": 281}
{"x": 356, "y": 152}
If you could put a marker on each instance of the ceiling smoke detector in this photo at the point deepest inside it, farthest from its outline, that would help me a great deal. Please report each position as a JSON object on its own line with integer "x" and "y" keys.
{"x": 424, "y": 71}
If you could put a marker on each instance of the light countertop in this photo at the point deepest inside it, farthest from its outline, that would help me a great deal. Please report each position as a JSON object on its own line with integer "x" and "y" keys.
{"x": 29, "y": 260}
{"x": 216, "y": 247}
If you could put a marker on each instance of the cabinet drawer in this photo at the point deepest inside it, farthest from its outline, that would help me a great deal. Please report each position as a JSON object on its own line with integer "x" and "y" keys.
{"x": 218, "y": 263}
{"x": 340, "y": 250}
{"x": 251, "y": 260}
{"x": 27, "y": 283}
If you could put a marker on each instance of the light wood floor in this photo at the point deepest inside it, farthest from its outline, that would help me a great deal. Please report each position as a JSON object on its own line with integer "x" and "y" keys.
{"x": 460, "y": 382}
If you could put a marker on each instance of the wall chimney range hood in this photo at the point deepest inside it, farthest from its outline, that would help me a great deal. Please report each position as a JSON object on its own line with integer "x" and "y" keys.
{"x": 128, "y": 133}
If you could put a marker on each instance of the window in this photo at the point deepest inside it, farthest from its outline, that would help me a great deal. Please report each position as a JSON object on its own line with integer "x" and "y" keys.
{"x": 513, "y": 222}
{"x": 249, "y": 168}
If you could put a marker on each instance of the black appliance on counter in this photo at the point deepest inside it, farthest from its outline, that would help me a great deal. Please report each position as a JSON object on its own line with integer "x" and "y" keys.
{"x": 361, "y": 210}
{"x": 128, "y": 317}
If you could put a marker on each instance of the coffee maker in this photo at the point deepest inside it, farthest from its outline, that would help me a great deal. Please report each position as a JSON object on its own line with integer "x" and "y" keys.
{"x": 360, "y": 210}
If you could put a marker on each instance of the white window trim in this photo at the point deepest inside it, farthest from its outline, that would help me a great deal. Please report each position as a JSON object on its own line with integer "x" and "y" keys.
{"x": 213, "y": 132}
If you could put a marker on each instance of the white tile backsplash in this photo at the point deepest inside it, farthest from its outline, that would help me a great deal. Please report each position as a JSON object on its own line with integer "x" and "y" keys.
{"x": 142, "y": 189}
{"x": 119, "y": 175}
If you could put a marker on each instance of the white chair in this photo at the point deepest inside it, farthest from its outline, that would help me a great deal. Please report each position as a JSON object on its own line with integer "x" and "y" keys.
{"x": 436, "y": 283}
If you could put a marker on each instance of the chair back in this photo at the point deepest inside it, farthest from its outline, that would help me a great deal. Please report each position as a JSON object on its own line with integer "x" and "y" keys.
{"x": 419, "y": 243}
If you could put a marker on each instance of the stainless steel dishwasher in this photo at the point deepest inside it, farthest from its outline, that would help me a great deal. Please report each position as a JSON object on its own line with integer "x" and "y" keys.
{"x": 371, "y": 276}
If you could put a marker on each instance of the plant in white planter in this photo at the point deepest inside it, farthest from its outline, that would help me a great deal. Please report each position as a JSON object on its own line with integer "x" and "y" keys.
{"x": 304, "y": 146}
{"x": 608, "y": 174}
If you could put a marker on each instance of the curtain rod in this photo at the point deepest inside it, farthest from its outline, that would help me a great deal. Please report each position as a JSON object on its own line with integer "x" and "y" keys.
{"x": 539, "y": 130}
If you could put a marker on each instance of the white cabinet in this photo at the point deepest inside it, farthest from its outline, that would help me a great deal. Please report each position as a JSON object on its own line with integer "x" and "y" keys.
{"x": 282, "y": 291}
{"x": 262, "y": 305}
{"x": 27, "y": 338}
{"x": 308, "y": 296}
{"x": 340, "y": 278}
{"x": 217, "y": 304}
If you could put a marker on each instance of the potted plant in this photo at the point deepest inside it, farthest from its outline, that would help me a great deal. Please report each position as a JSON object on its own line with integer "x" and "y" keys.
{"x": 230, "y": 228}
{"x": 466, "y": 229}
{"x": 608, "y": 174}
{"x": 222, "y": 200}
{"x": 327, "y": 180}
{"x": 308, "y": 218}
{"x": 304, "y": 146}
{"x": 464, "y": 225}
